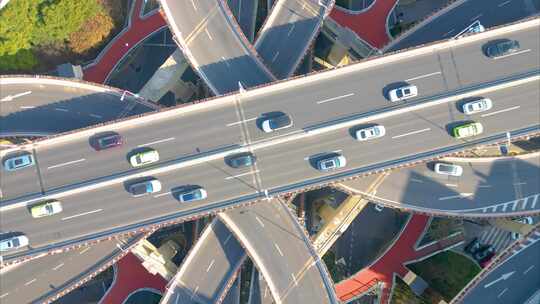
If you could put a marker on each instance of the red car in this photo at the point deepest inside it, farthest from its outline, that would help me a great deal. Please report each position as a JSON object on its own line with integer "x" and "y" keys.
{"x": 109, "y": 141}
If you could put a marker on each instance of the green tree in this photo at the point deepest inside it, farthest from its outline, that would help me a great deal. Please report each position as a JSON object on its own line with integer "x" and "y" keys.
{"x": 58, "y": 19}
{"x": 17, "y": 22}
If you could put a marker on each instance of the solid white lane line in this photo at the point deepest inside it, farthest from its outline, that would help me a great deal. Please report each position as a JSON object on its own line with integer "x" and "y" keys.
{"x": 476, "y": 17}
{"x": 4, "y": 295}
{"x": 461, "y": 195}
{"x": 227, "y": 239}
{"x": 67, "y": 163}
{"x": 278, "y": 249}
{"x": 335, "y": 98}
{"x": 30, "y": 282}
{"x": 156, "y": 142}
{"x": 58, "y": 266}
{"x": 485, "y": 186}
{"x": 81, "y": 214}
{"x": 450, "y": 185}
{"x": 416, "y": 180}
{"x": 259, "y": 220}
{"x": 243, "y": 174}
{"x": 210, "y": 266}
{"x": 449, "y": 32}
{"x": 239, "y": 122}
{"x": 513, "y": 54}
{"x": 411, "y": 133}
{"x": 85, "y": 250}
{"x": 27, "y": 107}
{"x": 500, "y": 111}
{"x": 528, "y": 269}
{"x": 294, "y": 279}
{"x": 61, "y": 109}
{"x": 502, "y": 292}
{"x": 193, "y": 3}
{"x": 423, "y": 76}
{"x": 96, "y": 116}
{"x": 162, "y": 194}
{"x": 208, "y": 34}
{"x": 504, "y": 3}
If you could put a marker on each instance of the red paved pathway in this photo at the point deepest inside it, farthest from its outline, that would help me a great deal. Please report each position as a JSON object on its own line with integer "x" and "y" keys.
{"x": 369, "y": 25}
{"x": 393, "y": 262}
{"x": 130, "y": 276}
{"x": 137, "y": 29}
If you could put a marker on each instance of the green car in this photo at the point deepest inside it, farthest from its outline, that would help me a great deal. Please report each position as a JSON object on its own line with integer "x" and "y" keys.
{"x": 46, "y": 209}
{"x": 468, "y": 130}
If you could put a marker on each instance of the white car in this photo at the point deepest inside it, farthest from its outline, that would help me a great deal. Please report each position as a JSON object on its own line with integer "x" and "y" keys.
{"x": 477, "y": 106}
{"x": 331, "y": 163}
{"x": 275, "y": 123}
{"x": 448, "y": 169}
{"x": 525, "y": 220}
{"x": 403, "y": 93}
{"x": 370, "y": 133}
{"x": 46, "y": 209}
{"x": 144, "y": 158}
{"x": 192, "y": 195}
{"x": 13, "y": 243}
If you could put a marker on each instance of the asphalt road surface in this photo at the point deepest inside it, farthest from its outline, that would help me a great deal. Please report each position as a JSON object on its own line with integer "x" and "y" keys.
{"x": 503, "y": 186}
{"x": 40, "y": 278}
{"x": 287, "y": 33}
{"x": 245, "y": 12}
{"x": 40, "y": 108}
{"x": 280, "y": 166}
{"x": 280, "y": 250}
{"x": 515, "y": 280}
{"x": 208, "y": 269}
{"x": 207, "y": 36}
{"x": 452, "y": 22}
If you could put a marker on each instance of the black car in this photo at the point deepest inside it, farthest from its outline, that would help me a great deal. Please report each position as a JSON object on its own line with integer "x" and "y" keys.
{"x": 484, "y": 252}
{"x": 473, "y": 246}
{"x": 501, "y": 48}
{"x": 109, "y": 141}
{"x": 242, "y": 160}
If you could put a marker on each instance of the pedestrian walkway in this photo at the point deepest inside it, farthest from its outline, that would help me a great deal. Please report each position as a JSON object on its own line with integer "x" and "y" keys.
{"x": 138, "y": 28}
{"x": 131, "y": 276}
{"x": 394, "y": 261}
{"x": 370, "y": 25}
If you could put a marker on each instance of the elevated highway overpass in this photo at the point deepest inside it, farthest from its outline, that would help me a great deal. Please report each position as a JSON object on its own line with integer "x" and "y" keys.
{"x": 185, "y": 134}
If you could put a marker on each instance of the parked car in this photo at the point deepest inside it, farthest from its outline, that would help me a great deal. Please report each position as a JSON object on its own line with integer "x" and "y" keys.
{"x": 144, "y": 158}
{"x": 242, "y": 160}
{"x": 525, "y": 220}
{"x": 19, "y": 162}
{"x": 473, "y": 246}
{"x": 331, "y": 163}
{"x": 145, "y": 187}
{"x": 402, "y": 93}
{"x": 14, "y": 242}
{"x": 483, "y": 252}
{"x": 109, "y": 141}
{"x": 477, "y": 106}
{"x": 370, "y": 133}
{"x": 275, "y": 123}
{"x": 46, "y": 209}
{"x": 468, "y": 130}
{"x": 192, "y": 195}
{"x": 502, "y": 47}
{"x": 448, "y": 169}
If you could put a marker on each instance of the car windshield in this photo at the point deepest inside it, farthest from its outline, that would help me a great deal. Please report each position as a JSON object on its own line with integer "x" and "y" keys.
{"x": 108, "y": 141}
{"x": 375, "y": 131}
{"x": 329, "y": 164}
{"x": 399, "y": 93}
{"x": 192, "y": 195}
{"x": 48, "y": 208}
{"x": 18, "y": 162}
{"x": 406, "y": 91}
{"x": 15, "y": 242}
{"x": 446, "y": 168}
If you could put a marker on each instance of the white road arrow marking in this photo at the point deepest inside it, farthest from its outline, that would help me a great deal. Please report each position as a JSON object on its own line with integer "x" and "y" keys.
{"x": 11, "y": 97}
{"x": 503, "y": 277}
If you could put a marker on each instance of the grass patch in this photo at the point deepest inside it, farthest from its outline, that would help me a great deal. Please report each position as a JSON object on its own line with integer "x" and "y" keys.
{"x": 447, "y": 272}
{"x": 336, "y": 272}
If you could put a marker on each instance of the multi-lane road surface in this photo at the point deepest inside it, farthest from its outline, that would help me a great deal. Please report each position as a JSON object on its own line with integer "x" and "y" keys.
{"x": 285, "y": 159}
{"x": 282, "y": 252}
{"x": 43, "y": 106}
{"x": 212, "y": 41}
{"x": 504, "y": 186}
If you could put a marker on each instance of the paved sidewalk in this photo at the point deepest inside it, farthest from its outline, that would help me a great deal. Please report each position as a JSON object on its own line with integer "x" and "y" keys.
{"x": 394, "y": 261}
{"x": 370, "y": 25}
{"x": 137, "y": 30}
{"x": 131, "y": 276}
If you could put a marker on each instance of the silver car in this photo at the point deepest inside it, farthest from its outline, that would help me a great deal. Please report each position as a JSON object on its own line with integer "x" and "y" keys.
{"x": 192, "y": 195}
{"x": 370, "y": 133}
{"x": 477, "y": 106}
{"x": 448, "y": 169}
{"x": 402, "y": 93}
{"x": 331, "y": 163}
